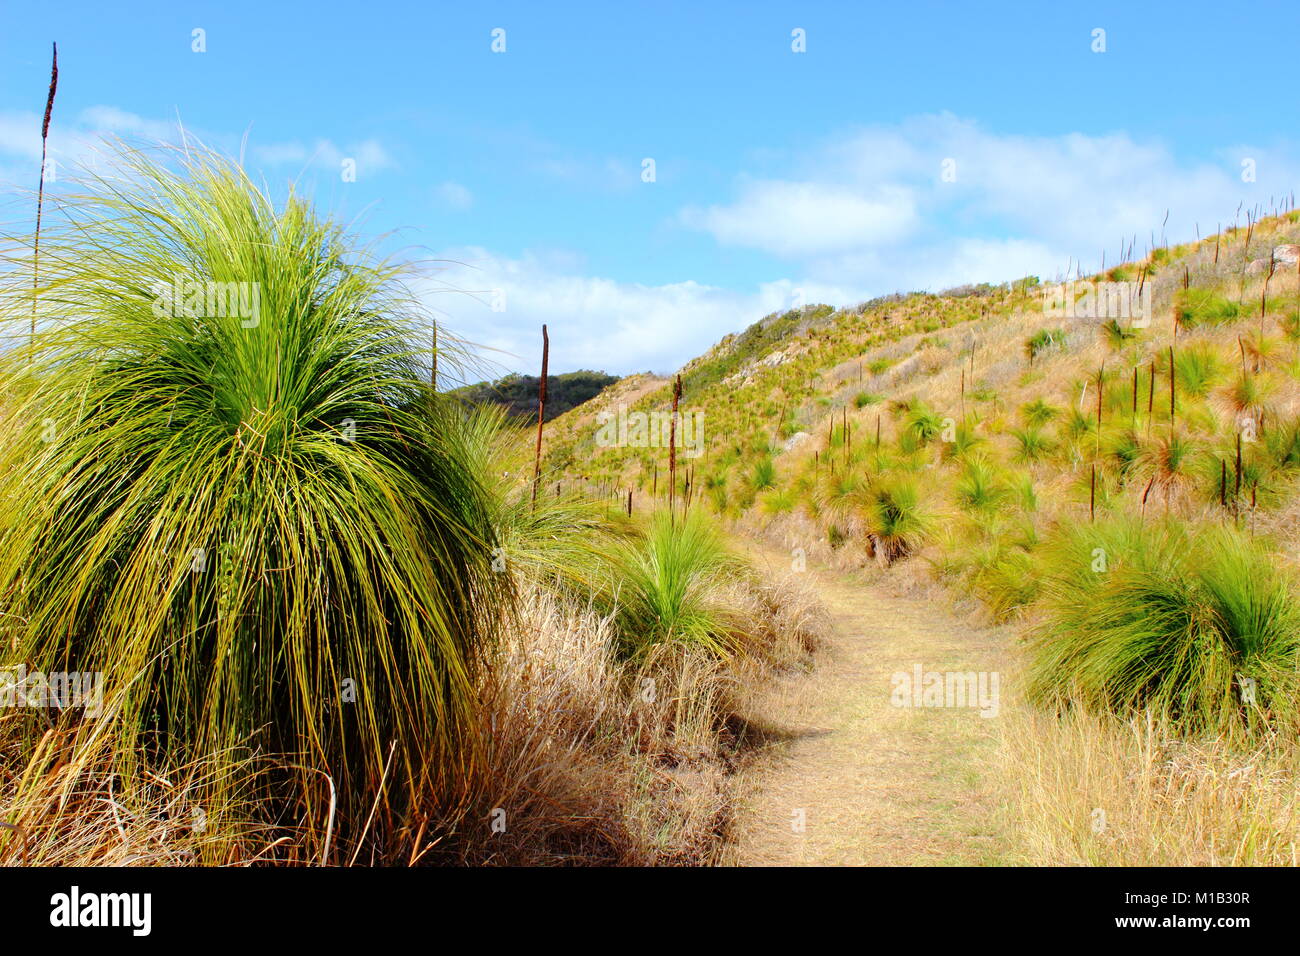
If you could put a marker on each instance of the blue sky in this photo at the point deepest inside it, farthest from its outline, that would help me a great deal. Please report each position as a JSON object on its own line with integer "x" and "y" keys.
{"x": 781, "y": 177}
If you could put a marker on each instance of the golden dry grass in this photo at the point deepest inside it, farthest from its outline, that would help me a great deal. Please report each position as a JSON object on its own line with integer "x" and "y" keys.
{"x": 1103, "y": 791}
{"x": 587, "y": 761}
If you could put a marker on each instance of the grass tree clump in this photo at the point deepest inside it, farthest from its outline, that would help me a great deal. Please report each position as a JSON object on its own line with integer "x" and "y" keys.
{"x": 554, "y": 541}
{"x": 1203, "y": 628}
{"x": 981, "y": 488}
{"x": 1032, "y": 444}
{"x": 1197, "y": 369}
{"x": 1041, "y": 341}
{"x": 669, "y": 586}
{"x": 764, "y": 474}
{"x": 1195, "y": 307}
{"x": 897, "y": 519}
{"x": 921, "y": 426}
{"x": 227, "y": 489}
{"x": 1038, "y": 413}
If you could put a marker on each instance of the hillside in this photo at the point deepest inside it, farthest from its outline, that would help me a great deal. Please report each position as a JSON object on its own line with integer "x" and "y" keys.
{"x": 517, "y": 394}
{"x": 1110, "y": 467}
{"x": 807, "y": 414}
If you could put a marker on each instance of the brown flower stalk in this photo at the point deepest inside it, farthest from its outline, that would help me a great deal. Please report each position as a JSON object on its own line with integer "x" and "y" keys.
{"x": 541, "y": 412}
{"x": 40, "y": 192}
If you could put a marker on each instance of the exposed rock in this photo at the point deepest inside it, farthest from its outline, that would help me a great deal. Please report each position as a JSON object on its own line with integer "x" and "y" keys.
{"x": 794, "y": 440}
{"x": 1289, "y": 254}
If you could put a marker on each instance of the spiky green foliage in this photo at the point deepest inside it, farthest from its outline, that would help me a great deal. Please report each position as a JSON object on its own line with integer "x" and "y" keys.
{"x": 1116, "y": 335}
{"x": 1168, "y": 464}
{"x": 1041, "y": 341}
{"x": 1195, "y": 307}
{"x": 923, "y": 425}
{"x": 1123, "y": 447}
{"x": 555, "y": 538}
{"x": 764, "y": 474}
{"x": 981, "y": 487}
{"x": 1197, "y": 369}
{"x": 1005, "y": 577}
{"x": 897, "y": 519}
{"x": 1032, "y": 444}
{"x": 1161, "y": 618}
{"x": 668, "y": 586}
{"x": 257, "y": 526}
{"x": 1038, "y": 413}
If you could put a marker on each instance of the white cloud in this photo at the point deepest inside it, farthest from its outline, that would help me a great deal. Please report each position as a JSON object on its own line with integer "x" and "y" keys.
{"x": 594, "y": 322}
{"x": 370, "y": 155}
{"x": 74, "y": 142}
{"x": 797, "y": 219}
{"x": 102, "y": 120}
{"x": 454, "y": 195}
{"x": 871, "y": 208}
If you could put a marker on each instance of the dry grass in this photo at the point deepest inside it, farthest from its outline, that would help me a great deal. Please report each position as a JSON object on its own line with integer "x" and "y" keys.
{"x": 588, "y": 761}
{"x": 1102, "y": 791}
{"x": 67, "y": 807}
{"x": 593, "y": 761}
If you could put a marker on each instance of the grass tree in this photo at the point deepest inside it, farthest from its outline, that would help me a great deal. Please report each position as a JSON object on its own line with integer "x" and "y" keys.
{"x": 227, "y": 488}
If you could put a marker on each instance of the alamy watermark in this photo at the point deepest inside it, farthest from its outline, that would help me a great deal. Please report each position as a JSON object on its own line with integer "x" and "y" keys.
{"x": 1099, "y": 300}
{"x": 209, "y": 300}
{"x": 922, "y": 688}
{"x": 58, "y": 689}
{"x": 624, "y": 429}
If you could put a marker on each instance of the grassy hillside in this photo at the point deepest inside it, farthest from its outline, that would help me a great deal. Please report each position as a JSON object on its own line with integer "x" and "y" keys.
{"x": 976, "y": 412}
{"x": 1125, "y": 490}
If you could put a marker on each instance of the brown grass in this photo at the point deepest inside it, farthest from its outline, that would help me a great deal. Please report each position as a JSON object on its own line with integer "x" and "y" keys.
{"x": 587, "y": 762}
{"x": 1103, "y": 791}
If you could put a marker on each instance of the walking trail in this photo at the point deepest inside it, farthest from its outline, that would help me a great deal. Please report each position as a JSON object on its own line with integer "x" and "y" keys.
{"x": 874, "y": 783}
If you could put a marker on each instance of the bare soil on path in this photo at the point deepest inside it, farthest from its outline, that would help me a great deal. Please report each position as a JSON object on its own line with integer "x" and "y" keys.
{"x": 845, "y": 777}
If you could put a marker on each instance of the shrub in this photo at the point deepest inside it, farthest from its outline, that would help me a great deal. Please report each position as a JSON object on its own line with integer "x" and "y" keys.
{"x": 1032, "y": 444}
{"x": 1196, "y": 368}
{"x": 923, "y": 425}
{"x": 897, "y": 521}
{"x": 1203, "y": 307}
{"x": 1170, "y": 620}
{"x": 1116, "y": 335}
{"x": 1042, "y": 340}
{"x": 980, "y": 488}
{"x": 764, "y": 475}
{"x": 1038, "y": 413}
{"x": 668, "y": 586}
{"x": 256, "y": 525}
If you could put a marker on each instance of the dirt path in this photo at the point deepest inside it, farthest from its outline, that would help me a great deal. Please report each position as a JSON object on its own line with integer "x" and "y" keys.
{"x": 875, "y": 783}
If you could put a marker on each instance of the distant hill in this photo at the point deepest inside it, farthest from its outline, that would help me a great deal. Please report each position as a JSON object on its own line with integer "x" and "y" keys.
{"x": 518, "y": 393}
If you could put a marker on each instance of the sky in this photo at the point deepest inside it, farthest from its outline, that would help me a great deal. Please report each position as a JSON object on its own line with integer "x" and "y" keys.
{"x": 645, "y": 178}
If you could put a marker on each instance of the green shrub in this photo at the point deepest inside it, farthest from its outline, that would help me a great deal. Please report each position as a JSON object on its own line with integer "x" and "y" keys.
{"x": 981, "y": 488}
{"x": 897, "y": 521}
{"x": 1042, "y": 340}
{"x": 1197, "y": 368}
{"x": 1032, "y": 444}
{"x": 1163, "y": 618}
{"x": 256, "y": 524}
{"x": 669, "y": 587}
{"x": 1196, "y": 307}
{"x": 1038, "y": 413}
